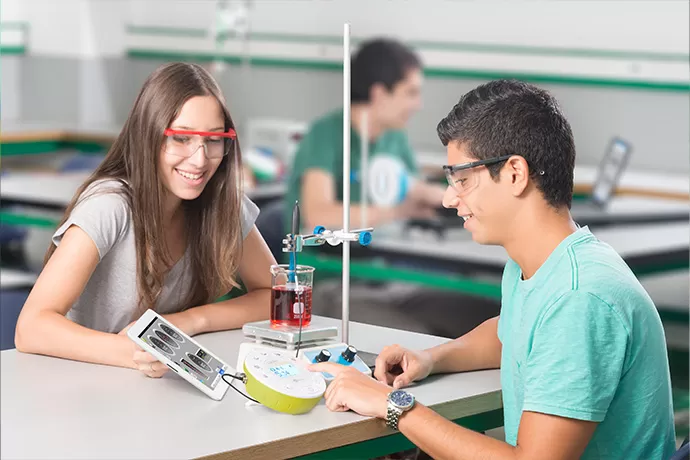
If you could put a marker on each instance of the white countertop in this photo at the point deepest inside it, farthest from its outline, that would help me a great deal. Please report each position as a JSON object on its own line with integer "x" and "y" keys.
{"x": 59, "y": 189}
{"x": 10, "y": 279}
{"x": 65, "y": 409}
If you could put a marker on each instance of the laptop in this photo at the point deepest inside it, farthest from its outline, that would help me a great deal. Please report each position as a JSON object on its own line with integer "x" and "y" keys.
{"x": 602, "y": 207}
{"x": 607, "y": 178}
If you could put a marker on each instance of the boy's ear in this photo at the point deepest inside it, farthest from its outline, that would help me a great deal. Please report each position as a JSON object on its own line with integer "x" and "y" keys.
{"x": 516, "y": 172}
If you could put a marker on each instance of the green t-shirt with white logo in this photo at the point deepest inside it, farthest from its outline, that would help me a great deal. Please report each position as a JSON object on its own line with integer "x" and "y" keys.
{"x": 322, "y": 148}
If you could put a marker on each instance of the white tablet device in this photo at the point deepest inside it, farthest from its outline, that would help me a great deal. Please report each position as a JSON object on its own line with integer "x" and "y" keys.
{"x": 181, "y": 353}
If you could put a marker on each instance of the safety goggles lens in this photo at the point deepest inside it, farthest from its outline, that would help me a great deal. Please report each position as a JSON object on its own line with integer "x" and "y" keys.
{"x": 463, "y": 180}
{"x": 184, "y": 143}
{"x": 186, "y": 146}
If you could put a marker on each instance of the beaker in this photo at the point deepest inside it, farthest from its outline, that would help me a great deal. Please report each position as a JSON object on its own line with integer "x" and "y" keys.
{"x": 291, "y": 292}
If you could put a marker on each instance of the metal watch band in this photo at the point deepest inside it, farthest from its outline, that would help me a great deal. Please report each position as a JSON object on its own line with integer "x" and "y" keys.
{"x": 392, "y": 417}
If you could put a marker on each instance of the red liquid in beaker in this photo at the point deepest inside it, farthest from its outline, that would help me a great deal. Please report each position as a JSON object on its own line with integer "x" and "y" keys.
{"x": 288, "y": 305}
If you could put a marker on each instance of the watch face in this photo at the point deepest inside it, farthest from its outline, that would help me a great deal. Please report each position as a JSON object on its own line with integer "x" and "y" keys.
{"x": 402, "y": 399}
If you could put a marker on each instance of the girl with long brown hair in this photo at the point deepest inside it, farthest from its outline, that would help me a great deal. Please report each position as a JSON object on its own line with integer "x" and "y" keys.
{"x": 162, "y": 223}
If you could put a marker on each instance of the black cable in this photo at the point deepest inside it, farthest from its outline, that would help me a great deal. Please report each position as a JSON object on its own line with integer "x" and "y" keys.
{"x": 235, "y": 388}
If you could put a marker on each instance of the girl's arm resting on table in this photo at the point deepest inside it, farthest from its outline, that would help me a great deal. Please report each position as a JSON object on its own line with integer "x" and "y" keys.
{"x": 42, "y": 327}
{"x": 234, "y": 313}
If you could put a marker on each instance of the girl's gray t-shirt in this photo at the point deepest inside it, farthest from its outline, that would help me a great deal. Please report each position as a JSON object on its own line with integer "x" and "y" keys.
{"x": 110, "y": 297}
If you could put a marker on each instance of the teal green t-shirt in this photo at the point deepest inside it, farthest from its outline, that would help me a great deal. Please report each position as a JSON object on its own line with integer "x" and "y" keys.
{"x": 583, "y": 340}
{"x": 322, "y": 148}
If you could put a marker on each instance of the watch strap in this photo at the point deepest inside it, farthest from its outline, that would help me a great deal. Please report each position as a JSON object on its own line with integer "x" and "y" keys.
{"x": 393, "y": 416}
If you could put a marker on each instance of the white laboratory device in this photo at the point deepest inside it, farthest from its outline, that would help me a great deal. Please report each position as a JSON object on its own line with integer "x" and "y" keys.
{"x": 282, "y": 382}
{"x": 315, "y": 343}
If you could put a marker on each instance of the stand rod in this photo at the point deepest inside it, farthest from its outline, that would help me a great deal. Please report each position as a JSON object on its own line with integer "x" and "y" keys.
{"x": 346, "y": 183}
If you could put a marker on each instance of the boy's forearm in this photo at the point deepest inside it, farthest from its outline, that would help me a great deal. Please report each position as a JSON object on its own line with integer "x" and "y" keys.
{"x": 478, "y": 349}
{"x": 443, "y": 439}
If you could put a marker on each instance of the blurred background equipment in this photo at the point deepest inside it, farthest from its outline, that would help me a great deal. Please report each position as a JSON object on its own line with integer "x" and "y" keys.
{"x": 276, "y": 139}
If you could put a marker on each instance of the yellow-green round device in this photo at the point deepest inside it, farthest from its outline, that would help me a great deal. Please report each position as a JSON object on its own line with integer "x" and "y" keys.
{"x": 278, "y": 380}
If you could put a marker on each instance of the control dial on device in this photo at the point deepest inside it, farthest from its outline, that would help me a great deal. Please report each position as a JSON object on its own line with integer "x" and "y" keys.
{"x": 325, "y": 355}
{"x": 349, "y": 353}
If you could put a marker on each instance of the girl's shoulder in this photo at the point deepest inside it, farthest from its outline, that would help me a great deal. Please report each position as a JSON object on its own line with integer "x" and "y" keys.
{"x": 103, "y": 212}
{"x": 249, "y": 212}
{"x": 108, "y": 195}
{"x": 103, "y": 187}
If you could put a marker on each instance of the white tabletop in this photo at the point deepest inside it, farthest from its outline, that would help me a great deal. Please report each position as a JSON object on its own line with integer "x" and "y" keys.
{"x": 627, "y": 240}
{"x": 57, "y": 189}
{"x": 41, "y": 187}
{"x": 670, "y": 291}
{"x": 649, "y": 181}
{"x": 650, "y": 206}
{"x": 54, "y": 408}
{"x": 638, "y": 180}
{"x": 10, "y": 129}
{"x": 10, "y": 279}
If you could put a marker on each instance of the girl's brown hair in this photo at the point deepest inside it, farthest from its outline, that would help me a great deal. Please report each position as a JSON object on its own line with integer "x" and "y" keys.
{"x": 213, "y": 229}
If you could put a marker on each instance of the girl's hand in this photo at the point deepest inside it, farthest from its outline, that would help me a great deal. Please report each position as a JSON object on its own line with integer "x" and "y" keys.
{"x": 148, "y": 364}
{"x": 142, "y": 360}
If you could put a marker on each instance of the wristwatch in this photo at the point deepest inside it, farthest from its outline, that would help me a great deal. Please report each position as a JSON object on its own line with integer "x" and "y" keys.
{"x": 399, "y": 401}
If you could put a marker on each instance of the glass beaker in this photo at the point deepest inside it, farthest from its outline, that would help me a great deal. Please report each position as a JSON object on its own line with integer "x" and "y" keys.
{"x": 291, "y": 292}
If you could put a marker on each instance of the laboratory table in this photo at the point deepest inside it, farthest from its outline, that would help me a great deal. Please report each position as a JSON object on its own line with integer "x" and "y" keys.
{"x": 56, "y": 408}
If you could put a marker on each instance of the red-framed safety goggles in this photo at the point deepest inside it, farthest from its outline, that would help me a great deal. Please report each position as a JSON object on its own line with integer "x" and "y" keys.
{"x": 182, "y": 143}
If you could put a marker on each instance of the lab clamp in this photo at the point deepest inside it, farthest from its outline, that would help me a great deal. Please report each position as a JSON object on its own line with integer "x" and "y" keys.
{"x": 321, "y": 235}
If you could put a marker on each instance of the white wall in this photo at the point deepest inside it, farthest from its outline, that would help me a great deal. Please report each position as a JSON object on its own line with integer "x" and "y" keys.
{"x": 98, "y": 28}
{"x": 88, "y": 27}
{"x": 71, "y": 28}
{"x": 179, "y": 13}
{"x": 576, "y": 24}
{"x": 13, "y": 11}
{"x": 56, "y": 28}
{"x": 9, "y": 88}
{"x": 74, "y": 69}
{"x": 634, "y": 25}
{"x": 105, "y": 29}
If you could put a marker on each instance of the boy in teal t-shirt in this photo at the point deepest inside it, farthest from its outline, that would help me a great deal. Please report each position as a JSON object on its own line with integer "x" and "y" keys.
{"x": 581, "y": 348}
{"x": 386, "y": 83}
{"x": 582, "y": 339}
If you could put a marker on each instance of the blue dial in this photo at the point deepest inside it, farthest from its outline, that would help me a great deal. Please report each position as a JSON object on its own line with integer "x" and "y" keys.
{"x": 401, "y": 398}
